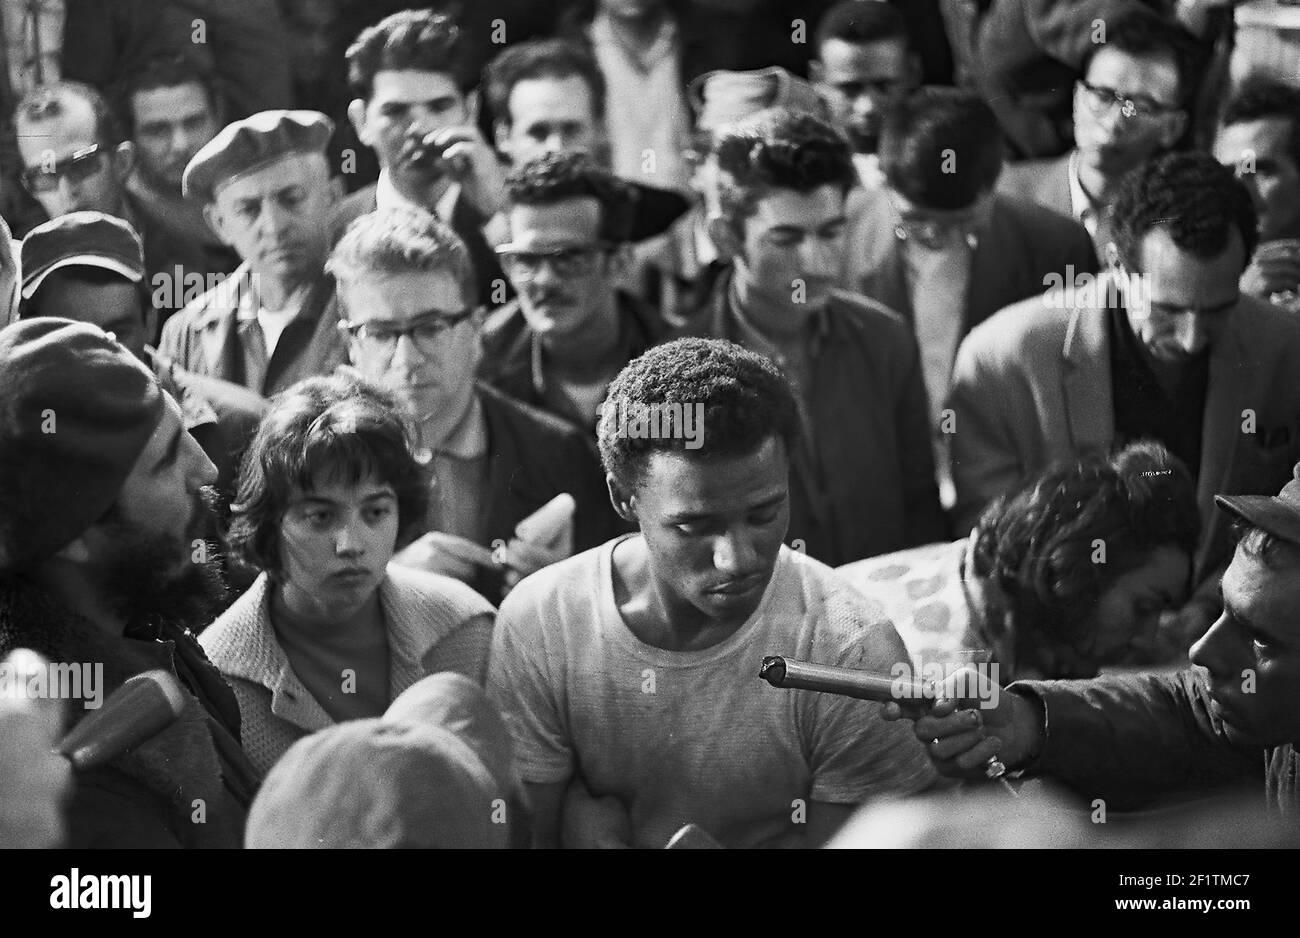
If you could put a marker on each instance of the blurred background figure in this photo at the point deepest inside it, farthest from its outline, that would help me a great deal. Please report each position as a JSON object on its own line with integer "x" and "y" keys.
{"x": 1065, "y": 577}
{"x": 330, "y": 631}
{"x": 435, "y": 771}
{"x": 1259, "y": 137}
{"x": 35, "y": 781}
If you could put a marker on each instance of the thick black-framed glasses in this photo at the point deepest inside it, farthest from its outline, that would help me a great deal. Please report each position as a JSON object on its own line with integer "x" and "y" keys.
{"x": 571, "y": 261}
{"x": 78, "y": 167}
{"x": 425, "y": 330}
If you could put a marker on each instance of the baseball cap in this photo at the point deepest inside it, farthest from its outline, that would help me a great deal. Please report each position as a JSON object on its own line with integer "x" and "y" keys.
{"x": 81, "y": 239}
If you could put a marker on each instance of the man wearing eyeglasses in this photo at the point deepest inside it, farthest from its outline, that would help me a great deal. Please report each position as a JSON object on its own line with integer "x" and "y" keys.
{"x": 1131, "y": 104}
{"x": 862, "y": 478}
{"x": 940, "y": 247}
{"x": 265, "y": 188}
{"x": 570, "y": 330}
{"x": 412, "y": 325}
{"x": 864, "y": 65}
{"x": 1165, "y": 348}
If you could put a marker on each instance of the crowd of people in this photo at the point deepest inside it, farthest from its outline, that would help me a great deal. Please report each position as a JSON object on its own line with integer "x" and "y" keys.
{"x": 461, "y": 402}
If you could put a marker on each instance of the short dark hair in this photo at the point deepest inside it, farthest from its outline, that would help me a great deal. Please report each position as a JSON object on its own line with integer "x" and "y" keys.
{"x": 1260, "y": 100}
{"x": 745, "y": 399}
{"x": 857, "y": 22}
{"x": 1037, "y": 545}
{"x": 1146, "y": 34}
{"x": 1192, "y": 196}
{"x": 558, "y": 176}
{"x": 339, "y": 427}
{"x": 540, "y": 58}
{"x": 778, "y": 149}
{"x": 169, "y": 71}
{"x": 420, "y": 40}
{"x": 45, "y": 102}
{"x": 941, "y": 148}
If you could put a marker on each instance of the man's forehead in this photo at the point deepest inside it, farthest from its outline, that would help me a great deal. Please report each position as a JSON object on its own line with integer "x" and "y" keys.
{"x": 683, "y": 483}
{"x": 880, "y": 58}
{"x": 1154, "y": 72}
{"x": 575, "y": 219}
{"x": 1170, "y": 270}
{"x": 73, "y": 129}
{"x": 548, "y": 98}
{"x": 1265, "y": 594}
{"x": 788, "y": 207}
{"x": 410, "y": 86}
{"x": 1267, "y": 136}
{"x": 399, "y": 296}
{"x": 170, "y": 102}
{"x": 293, "y": 169}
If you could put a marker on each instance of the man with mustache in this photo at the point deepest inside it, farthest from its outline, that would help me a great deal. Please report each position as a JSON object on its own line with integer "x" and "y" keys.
{"x": 1164, "y": 347}
{"x": 1230, "y": 719}
{"x": 628, "y": 674}
{"x": 862, "y": 474}
{"x": 103, "y": 501}
{"x": 570, "y": 330}
{"x": 409, "y": 79}
{"x": 265, "y": 188}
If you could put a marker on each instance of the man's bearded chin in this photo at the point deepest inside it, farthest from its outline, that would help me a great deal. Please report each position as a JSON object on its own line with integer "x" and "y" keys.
{"x": 159, "y": 578}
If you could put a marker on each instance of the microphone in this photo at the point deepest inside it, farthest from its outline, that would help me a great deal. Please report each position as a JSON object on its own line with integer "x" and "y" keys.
{"x": 140, "y": 709}
{"x": 847, "y": 682}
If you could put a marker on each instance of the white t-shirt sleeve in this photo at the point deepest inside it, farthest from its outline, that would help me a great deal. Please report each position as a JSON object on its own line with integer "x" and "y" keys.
{"x": 855, "y": 755}
{"x": 520, "y": 682}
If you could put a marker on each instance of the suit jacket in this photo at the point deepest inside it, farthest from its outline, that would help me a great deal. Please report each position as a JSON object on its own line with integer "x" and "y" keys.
{"x": 203, "y": 337}
{"x": 1044, "y": 182}
{"x": 465, "y": 221}
{"x": 1020, "y": 246}
{"x": 1032, "y": 386}
{"x": 1129, "y": 740}
{"x": 867, "y": 487}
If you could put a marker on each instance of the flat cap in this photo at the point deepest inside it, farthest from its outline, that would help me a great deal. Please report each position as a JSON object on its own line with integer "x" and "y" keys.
{"x": 252, "y": 143}
{"x": 1278, "y": 514}
{"x": 81, "y": 239}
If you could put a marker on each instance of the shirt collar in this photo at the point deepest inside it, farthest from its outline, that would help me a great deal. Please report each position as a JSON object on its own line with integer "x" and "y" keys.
{"x": 1081, "y": 204}
{"x": 387, "y": 197}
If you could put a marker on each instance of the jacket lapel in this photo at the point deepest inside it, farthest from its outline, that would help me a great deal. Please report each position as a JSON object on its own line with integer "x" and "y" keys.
{"x": 1086, "y": 384}
{"x": 1220, "y": 427}
{"x": 216, "y": 327}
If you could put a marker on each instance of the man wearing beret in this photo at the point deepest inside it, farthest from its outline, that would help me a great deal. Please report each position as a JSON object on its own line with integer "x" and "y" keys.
{"x": 103, "y": 498}
{"x": 1231, "y": 718}
{"x": 90, "y": 267}
{"x": 265, "y": 186}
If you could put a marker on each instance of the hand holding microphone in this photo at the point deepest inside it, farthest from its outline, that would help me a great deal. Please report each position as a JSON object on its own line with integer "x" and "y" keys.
{"x": 34, "y": 779}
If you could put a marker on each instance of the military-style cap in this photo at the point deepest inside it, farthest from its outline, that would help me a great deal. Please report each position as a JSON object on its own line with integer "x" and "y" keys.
{"x": 252, "y": 143}
{"x": 722, "y": 97}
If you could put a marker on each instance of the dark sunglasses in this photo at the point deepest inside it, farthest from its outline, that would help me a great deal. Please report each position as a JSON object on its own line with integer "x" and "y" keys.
{"x": 78, "y": 167}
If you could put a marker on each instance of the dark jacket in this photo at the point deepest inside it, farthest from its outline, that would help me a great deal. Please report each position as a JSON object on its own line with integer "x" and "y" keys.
{"x": 868, "y": 486}
{"x": 1132, "y": 739}
{"x": 1019, "y": 247}
{"x": 465, "y": 221}
{"x": 154, "y": 795}
{"x": 507, "y": 362}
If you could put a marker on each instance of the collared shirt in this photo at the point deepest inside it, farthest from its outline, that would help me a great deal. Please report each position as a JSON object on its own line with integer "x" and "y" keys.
{"x": 1143, "y": 410}
{"x": 387, "y": 197}
{"x": 260, "y": 329}
{"x": 460, "y": 468}
{"x": 645, "y": 107}
{"x": 937, "y": 282}
{"x": 1082, "y": 205}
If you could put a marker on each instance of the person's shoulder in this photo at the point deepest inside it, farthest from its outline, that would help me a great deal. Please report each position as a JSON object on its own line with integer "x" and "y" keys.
{"x": 1022, "y": 174}
{"x": 838, "y": 618}
{"x": 226, "y": 641}
{"x": 862, "y": 314}
{"x": 351, "y": 207}
{"x": 1042, "y": 225}
{"x": 435, "y": 593}
{"x": 573, "y": 580}
{"x": 528, "y": 421}
{"x": 1028, "y": 326}
{"x": 1267, "y": 326}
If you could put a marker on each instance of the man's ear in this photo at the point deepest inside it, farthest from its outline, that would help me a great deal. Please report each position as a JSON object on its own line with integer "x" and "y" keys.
{"x": 123, "y": 159}
{"x": 357, "y": 115}
{"x": 620, "y": 259}
{"x": 623, "y": 502}
{"x": 501, "y": 137}
{"x": 724, "y": 238}
{"x": 217, "y": 222}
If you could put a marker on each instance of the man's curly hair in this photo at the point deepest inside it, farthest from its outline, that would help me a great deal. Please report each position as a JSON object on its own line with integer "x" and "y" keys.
{"x": 558, "y": 176}
{"x": 746, "y": 401}
{"x": 778, "y": 149}
{"x": 1190, "y": 195}
{"x": 420, "y": 40}
{"x": 1038, "y": 545}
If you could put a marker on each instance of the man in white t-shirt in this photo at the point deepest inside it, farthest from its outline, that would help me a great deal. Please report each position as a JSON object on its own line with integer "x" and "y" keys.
{"x": 629, "y": 673}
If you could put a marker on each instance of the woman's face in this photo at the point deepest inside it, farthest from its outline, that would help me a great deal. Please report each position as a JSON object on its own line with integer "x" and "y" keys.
{"x": 335, "y": 542}
{"x": 1127, "y": 614}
